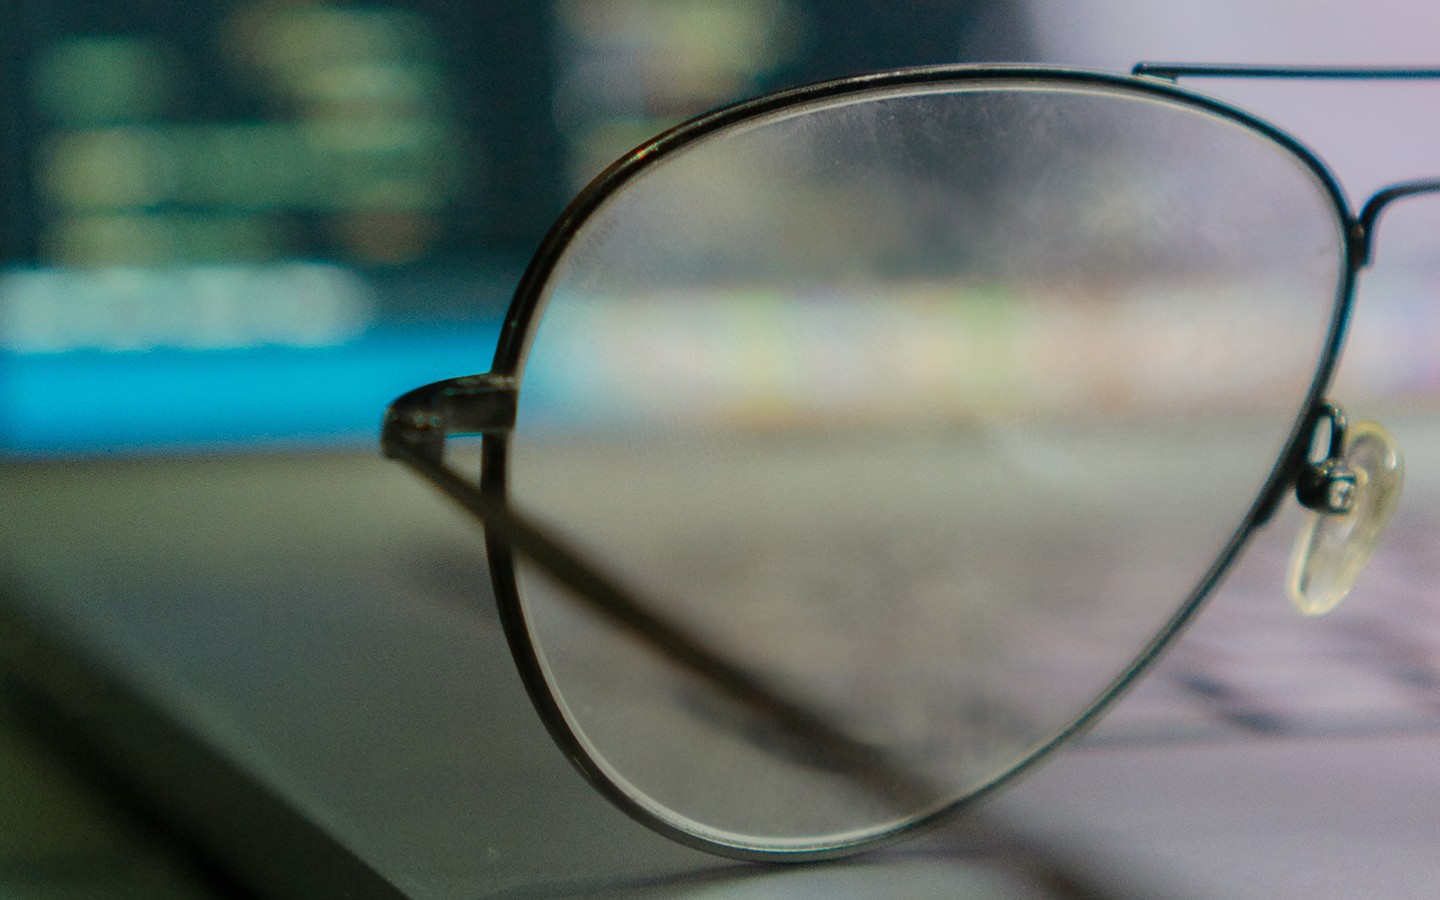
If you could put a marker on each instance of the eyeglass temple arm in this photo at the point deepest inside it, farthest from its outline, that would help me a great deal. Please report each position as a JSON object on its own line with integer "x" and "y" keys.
{"x": 414, "y": 432}
{"x": 1171, "y": 71}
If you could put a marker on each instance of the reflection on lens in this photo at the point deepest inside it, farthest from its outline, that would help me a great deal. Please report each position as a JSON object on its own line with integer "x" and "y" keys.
{"x": 930, "y": 405}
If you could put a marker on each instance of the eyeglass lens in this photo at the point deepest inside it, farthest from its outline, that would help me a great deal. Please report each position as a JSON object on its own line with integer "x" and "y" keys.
{"x": 931, "y": 404}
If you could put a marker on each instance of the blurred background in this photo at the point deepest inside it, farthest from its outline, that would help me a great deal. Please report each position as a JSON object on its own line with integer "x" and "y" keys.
{"x": 232, "y": 229}
{"x": 246, "y": 222}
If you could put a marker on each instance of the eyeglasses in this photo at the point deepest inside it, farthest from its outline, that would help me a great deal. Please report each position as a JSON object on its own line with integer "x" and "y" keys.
{"x": 874, "y": 435}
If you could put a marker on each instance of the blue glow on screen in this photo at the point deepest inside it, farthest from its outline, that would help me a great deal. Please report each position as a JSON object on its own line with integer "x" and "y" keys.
{"x": 176, "y": 400}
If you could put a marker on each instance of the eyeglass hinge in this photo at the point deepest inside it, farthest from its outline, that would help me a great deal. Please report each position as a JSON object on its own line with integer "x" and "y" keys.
{"x": 426, "y": 416}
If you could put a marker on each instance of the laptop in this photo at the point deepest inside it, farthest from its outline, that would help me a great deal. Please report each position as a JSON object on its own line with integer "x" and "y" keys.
{"x": 283, "y": 647}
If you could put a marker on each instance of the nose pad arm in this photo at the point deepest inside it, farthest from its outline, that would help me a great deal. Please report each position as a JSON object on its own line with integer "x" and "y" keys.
{"x": 1351, "y": 495}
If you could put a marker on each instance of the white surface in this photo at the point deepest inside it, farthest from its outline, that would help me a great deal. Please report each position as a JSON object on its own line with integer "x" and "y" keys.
{"x": 1269, "y": 819}
{"x": 1268, "y": 755}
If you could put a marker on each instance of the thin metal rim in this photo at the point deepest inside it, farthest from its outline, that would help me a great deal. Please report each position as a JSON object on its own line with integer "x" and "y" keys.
{"x": 530, "y": 296}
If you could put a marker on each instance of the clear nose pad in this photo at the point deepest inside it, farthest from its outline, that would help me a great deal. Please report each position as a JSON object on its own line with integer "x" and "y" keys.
{"x": 1352, "y": 496}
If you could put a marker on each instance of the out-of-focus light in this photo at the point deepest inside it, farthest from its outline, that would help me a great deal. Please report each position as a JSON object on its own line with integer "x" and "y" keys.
{"x": 385, "y": 236}
{"x": 629, "y": 68}
{"x": 103, "y": 79}
{"x": 297, "y": 304}
{"x": 111, "y": 167}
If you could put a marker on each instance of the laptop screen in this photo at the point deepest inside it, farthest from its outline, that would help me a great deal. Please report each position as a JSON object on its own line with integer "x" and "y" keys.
{"x": 250, "y": 225}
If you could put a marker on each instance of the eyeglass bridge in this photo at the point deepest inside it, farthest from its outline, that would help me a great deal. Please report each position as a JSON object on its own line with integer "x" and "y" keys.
{"x": 1361, "y": 228}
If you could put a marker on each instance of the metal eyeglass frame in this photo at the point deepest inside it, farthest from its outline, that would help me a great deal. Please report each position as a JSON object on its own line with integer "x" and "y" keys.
{"x": 417, "y": 425}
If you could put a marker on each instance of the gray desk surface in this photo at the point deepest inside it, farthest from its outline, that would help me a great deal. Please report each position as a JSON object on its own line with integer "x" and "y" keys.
{"x": 323, "y": 624}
